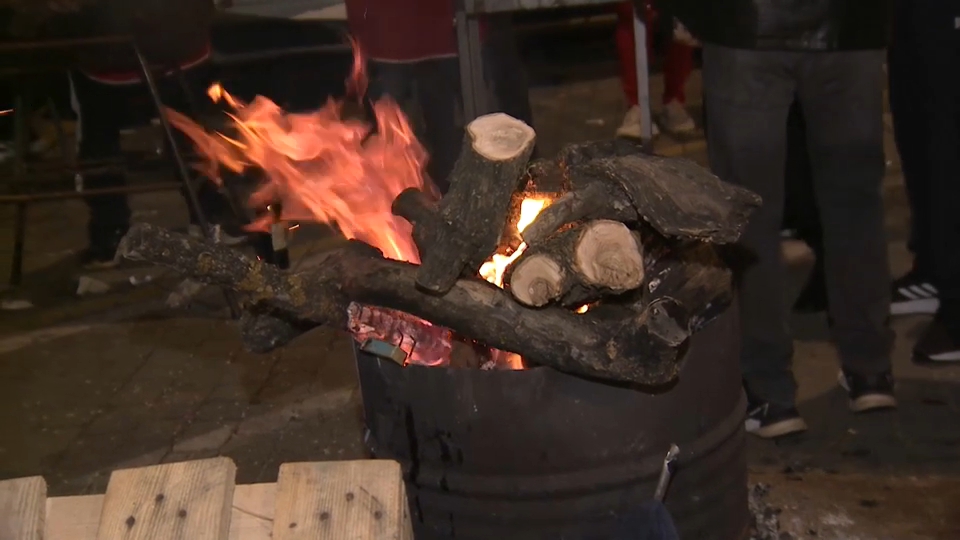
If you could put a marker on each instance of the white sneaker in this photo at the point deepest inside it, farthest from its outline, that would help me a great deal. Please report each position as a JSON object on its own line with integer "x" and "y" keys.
{"x": 676, "y": 119}
{"x": 630, "y": 128}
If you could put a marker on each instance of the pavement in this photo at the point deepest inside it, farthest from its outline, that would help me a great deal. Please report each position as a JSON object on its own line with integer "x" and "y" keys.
{"x": 95, "y": 383}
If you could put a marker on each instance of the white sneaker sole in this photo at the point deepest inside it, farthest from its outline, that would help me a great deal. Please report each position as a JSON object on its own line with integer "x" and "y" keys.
{"x": 868, "y": 402}
{"x": 778, "y": 429}
{"x": 922, "y": 306}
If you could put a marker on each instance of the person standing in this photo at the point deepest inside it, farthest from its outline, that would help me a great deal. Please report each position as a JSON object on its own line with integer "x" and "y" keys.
{"x": 172, "y": 34}
{"x": 925, "y": 105}
{"x": 677, "y": 66}
{"x": 411, "y": 48}
{"x": 828, "y": 54}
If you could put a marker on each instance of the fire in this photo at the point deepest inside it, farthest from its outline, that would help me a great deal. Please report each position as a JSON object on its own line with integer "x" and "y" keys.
{"x": 493, "y": 269}
{"x": 324, "y": 167}
{"x": 321, "y": 166}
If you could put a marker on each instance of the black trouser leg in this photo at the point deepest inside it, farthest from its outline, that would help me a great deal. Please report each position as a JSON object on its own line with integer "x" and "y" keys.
{"x": 438, "y": 93}
{"x": 505, "y": 69}
{"x": 99, "y": 109}
{"x": 926, "y": 91}
{"x": 841, "y": 95}
{"x": 909, "y": 92}
{"x": 747, "y": 96}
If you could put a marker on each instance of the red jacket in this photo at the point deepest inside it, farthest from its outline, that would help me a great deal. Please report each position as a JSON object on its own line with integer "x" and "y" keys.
{"x": 403, "y": 31}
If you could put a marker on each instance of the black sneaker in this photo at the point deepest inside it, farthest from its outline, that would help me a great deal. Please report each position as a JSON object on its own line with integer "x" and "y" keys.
{"x": 912, "y": 294}
{"x": 770, "y": 421}
{"x": 939, "y": 343}
{"x": 868, "y": 393}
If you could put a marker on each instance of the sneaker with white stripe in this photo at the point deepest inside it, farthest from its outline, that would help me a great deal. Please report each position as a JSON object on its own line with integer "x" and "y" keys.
{"x": 912, "y": 294}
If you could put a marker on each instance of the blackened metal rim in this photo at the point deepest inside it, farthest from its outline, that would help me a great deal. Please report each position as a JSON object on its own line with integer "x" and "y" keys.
{"x": 609, "y": 477}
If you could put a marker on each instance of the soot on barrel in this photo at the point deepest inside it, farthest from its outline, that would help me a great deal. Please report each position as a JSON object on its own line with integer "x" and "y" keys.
{"x": 536, "y": 453}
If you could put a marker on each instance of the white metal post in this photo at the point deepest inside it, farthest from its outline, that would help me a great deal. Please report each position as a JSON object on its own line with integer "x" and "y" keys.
{"x": 643, "y": 75}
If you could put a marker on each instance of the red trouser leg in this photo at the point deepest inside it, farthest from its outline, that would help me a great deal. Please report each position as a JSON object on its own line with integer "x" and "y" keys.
{"x": 678, "y": 61}
{"x": 677, "y": 66}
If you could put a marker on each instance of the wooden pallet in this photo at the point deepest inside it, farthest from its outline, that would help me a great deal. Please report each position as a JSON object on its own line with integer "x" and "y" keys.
{"x": 198, "y": 500}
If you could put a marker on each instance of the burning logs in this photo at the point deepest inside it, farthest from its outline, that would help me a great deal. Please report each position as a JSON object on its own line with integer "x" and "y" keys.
{"x": 582, "y": 263}
{"x": 630, "y": 234}
{"x": 471, "y": 217}
{"x": 643, "y": 347}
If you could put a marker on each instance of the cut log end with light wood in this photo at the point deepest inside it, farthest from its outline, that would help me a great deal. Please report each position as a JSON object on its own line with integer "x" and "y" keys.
{"x": 596, "y": 258}
{"x": 473, "y": 213}
{"x": 499, "y": 137}
{"x": 607, "y": 255}
{"x": 538, "y": 280}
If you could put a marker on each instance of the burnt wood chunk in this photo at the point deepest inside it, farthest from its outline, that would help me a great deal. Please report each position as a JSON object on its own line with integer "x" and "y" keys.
{"x": 473, "y": 213}
{"x": 643, "y": 345}
{"x": 598, "y": 257}
{"x": 678, "y": 197}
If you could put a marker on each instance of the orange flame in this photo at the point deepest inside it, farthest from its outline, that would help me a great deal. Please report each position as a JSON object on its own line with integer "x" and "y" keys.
{"x": 329, "y": 169}
{"x": 321, "y": 166}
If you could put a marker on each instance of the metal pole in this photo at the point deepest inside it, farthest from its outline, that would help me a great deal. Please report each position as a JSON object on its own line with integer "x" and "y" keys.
{"x": 643, "y": 77}
{"x": 192, "y": 199}
{"x": 467, "y": 86}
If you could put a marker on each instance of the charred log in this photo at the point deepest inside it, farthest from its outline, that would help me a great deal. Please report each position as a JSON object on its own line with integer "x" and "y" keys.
{"x": 644, "y": 347}
{"x": 593, "y": 259}
{"x": 597, "y": 200}
{"x": 473, "y": 213}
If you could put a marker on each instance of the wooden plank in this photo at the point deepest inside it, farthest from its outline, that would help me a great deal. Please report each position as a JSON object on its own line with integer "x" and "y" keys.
{"x": 355, "y": 500}
{"x": 73, "y": 518}
{"x": 77, "y": 517}
{"x": 191, "y": 500}
{"x": 22, "y": 508}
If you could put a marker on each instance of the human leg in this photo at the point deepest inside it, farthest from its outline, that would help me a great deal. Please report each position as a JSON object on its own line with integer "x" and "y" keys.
{"x": 438, "y": 94}
{"x": 913, "y": 292}
{"x": 937, "y": 48}
{"x": 98, "y": 108}
{"x": 677, "y": 66}
{"x": 748, "y": 94}
{"x": 842, "y": 98}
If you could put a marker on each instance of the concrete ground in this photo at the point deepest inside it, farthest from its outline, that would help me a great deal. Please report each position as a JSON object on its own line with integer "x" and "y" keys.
{"x": 95, "y": 383}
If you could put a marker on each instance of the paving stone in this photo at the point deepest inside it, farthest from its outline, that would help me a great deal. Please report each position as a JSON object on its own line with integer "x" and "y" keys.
{"x": 203, "y": 436}
{"x": 222, "y": 411}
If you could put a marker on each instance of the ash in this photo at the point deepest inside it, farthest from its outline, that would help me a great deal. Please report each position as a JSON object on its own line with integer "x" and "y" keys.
{"x": 765, "y": 518}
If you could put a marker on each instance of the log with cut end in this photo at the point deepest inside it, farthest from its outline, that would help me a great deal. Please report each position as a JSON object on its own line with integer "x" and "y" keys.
{"x": 588, "y": 260}
{"x": 643, "y": 346}
{"x": 473, "y": 213}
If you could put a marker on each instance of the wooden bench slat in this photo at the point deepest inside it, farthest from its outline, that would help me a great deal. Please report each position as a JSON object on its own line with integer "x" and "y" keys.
{"x": 357, "y": 500}
{"x": 191, "y": 500}
{"x": 22, "y": 508}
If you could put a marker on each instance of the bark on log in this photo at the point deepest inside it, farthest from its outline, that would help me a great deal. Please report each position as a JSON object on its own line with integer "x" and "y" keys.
{"x": 473, "y": 213}
{"x": 693, "y": 274}
{"x": 644, "y": 348}
{"x": 593, "y": 259}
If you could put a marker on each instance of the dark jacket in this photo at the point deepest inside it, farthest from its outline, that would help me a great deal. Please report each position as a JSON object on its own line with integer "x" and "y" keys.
{"x": 808, "y": 25}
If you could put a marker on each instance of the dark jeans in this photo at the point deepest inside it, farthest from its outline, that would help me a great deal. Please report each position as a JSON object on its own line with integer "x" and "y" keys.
{"x": 925, "y": 102}
{"x": 748, "y": 97}
{"x": 429, "y": 93}
{"x": 102, "y": 111}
